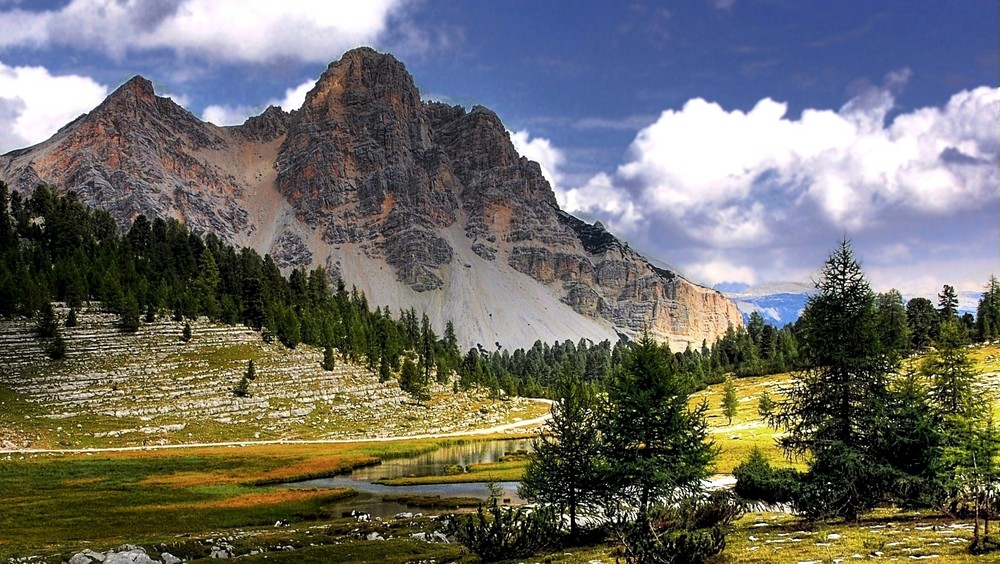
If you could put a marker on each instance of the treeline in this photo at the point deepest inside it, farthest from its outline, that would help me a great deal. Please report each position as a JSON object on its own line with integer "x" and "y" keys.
{"x": 54, "y": 248}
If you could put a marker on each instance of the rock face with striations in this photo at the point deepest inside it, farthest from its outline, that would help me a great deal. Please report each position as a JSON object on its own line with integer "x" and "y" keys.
{"x": 417, "y": 203}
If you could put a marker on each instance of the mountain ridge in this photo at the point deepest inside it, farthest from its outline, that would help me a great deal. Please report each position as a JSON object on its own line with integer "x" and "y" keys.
{"x": 419, "y": 203}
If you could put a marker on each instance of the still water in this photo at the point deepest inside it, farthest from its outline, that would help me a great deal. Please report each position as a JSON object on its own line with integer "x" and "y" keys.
{"x": 369, "y": 498}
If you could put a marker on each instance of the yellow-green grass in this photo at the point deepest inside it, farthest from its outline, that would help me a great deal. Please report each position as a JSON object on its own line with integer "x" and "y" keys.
{"x": 734, "y": 440}
{"x": 885, "y": 534}
{"x": 54, "y": 504}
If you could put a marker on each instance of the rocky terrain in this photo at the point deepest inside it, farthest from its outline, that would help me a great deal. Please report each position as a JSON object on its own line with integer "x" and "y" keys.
{"x": 417, "y": 203}
{"x": 151, "y": 388}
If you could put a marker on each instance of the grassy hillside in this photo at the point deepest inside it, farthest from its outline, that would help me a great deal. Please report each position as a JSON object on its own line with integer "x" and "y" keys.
{"x": 151, "y": 388}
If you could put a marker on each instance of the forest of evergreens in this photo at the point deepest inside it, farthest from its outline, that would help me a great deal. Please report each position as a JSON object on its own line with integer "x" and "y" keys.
{"x": 55, "y": 248}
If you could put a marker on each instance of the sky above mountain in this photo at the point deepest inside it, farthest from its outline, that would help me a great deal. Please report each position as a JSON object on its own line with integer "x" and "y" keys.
{"x": 737, "y": 140}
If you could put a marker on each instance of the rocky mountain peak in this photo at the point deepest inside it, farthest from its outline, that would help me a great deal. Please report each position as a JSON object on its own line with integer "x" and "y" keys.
{"x": 268, "y": 126}
{"x": 420, "y": 204}
{"x": 363, "y": 77}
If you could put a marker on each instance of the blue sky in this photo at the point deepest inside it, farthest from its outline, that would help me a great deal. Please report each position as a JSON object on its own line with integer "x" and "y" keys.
{"x": 737, "y": 140}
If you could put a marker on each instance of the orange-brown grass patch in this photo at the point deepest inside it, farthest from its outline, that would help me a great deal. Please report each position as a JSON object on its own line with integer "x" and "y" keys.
{"x": 191, "y": 479}
{"x": 251, "y": 500}
{"x": 318, "y": 467}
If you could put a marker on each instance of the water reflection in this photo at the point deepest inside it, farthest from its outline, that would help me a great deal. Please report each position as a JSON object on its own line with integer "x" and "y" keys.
{"x": 433, "y": 463}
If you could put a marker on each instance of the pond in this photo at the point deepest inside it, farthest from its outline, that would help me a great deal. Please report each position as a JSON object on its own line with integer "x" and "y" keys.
{"x": 369, "y": 498}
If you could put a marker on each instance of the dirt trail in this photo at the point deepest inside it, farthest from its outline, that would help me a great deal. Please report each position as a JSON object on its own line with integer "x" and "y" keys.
{"x": 537, "y": 421}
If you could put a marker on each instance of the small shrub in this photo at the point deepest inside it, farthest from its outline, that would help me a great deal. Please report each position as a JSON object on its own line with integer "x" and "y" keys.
{"x": 242, "y": 389}
{"x": 757, "y": 480}
{"x": 649, "y": 540}
{"x": 56, "y": 348}
{"x": 504, "y": 533}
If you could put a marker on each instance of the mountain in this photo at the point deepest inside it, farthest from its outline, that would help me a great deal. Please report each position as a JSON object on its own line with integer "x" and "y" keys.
{"x": 779, "y": 303}
{"x": 417, "y": 203}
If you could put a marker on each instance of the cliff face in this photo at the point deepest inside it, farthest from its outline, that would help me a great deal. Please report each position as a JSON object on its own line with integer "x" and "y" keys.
{"x": 419, "y": 204}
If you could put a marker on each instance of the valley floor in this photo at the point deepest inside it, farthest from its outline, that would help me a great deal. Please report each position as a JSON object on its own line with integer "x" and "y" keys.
{"x": 94, "y": 459}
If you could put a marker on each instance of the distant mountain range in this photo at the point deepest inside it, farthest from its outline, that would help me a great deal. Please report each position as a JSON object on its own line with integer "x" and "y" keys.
{"x": 781, "y": 303}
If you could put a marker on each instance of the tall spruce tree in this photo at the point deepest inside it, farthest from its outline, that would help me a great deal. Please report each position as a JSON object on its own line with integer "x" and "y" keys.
{"x": 563, "y": 467}
{"x": 657, "y": 448}
{"x": 923, "y": 321}
{"x": 835, "y": 412}
{"x": 947, "y": 303}
{"x": 891, "y": 321}
{"x": 988, "y": 312}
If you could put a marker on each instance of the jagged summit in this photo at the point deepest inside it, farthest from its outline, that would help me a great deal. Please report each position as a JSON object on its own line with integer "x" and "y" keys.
{"x": 420, "y": 204}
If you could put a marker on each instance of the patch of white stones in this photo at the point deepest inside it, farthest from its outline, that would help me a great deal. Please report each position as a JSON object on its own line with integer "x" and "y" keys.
{"x": 151, "y": 386}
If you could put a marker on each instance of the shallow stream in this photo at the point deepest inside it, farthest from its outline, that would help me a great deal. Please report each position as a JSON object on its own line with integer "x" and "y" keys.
{"x": 369, "y": 498}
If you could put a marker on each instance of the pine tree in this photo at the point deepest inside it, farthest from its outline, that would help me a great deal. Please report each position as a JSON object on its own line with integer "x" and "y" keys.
{"x": 893, "y": 331}
{"x": 837, "y": 408}
{"x": 56, "y": 348}
{"x": 329, "y": 360}
{"x": 988, "y": 312}
{"x": 71, "y": 318}
{"x": 729, "y": 401}
{"x": 563, "y": 470}
{"x": 765, "y": 405}
{"x": 47, "y": 324}
{"x": 923, "y": 321}
{"x": 129, "y": 318}
{"x": 947, "y": 303}
{"x": 411, "y": 380}
{"x": 952, "y": 375}
{"x": 251, "y": 373}
{"x": 186, "y": 332}
{"x": 656, "y": 447}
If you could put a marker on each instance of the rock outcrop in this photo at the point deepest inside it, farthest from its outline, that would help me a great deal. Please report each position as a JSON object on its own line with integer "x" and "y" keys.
{"x": 417, "y": 203}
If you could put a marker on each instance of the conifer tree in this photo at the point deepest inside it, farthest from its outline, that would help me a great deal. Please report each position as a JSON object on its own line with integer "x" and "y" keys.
{"x": 765, "y": 405}
{"x": 834, "y": 413}
{"x": 947, "y": 303}
{"x": 563, "y": 470}
{"x": 656, "y": 447}
{"x": 329, "y": 361}
{"x": 729, "y": 400}
{"x": 988, "y": 312}
{"x": 923, "y": 321}
{"x": 129, "y": 318}
{"x": 893, "y": 331}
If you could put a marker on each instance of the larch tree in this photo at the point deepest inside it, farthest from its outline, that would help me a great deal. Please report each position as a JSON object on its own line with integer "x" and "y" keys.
{"x": 657, "y": 448}
{"x": 729, "y": 400}
{"x": 563, "y": 469}
{"x": 834, "y": 413}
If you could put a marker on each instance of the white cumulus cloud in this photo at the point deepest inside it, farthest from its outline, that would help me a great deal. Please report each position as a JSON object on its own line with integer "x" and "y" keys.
{"x": 764, "y": 189}
{"x": 222, "y": 30}
{"x": 34, "y": 104}
{"x": 221, "y": 114}
{"x": 548, "y": 157}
